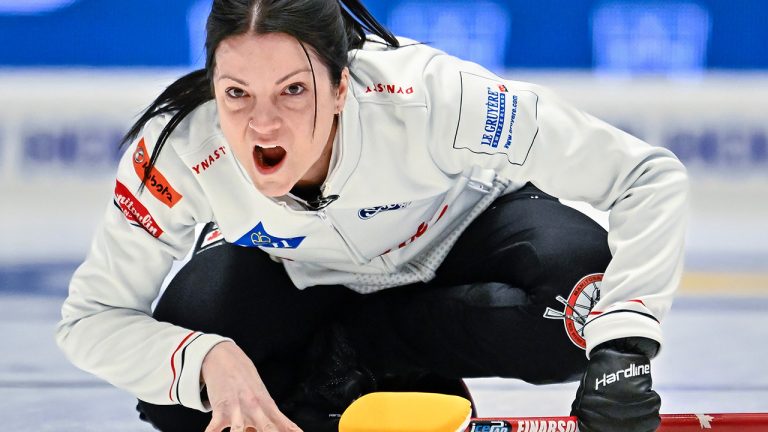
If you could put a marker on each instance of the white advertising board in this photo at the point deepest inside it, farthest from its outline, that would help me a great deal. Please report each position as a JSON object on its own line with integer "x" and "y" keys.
{"x": 59, "y": 132}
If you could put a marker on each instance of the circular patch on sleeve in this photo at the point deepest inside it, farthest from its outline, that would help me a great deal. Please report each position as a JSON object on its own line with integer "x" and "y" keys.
{"x": 583, "y": 297}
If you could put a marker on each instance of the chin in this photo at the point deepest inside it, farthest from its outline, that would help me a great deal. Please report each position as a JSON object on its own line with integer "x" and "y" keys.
{"x": 272, "y": 188}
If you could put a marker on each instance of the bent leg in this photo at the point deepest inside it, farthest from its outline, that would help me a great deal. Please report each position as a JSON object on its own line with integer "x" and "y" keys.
{"x": 493, "y": 309}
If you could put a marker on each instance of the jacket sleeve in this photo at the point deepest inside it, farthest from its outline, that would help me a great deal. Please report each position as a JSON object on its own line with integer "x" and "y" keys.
{"x": 106, "y": 326}
{"x": 527, "y": 134}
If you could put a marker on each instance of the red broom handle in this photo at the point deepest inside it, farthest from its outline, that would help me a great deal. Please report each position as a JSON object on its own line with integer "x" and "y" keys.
{"x": 729, "y": 422}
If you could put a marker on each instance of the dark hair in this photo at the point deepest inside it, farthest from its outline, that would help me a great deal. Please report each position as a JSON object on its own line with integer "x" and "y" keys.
{"x": 331, "y": 27}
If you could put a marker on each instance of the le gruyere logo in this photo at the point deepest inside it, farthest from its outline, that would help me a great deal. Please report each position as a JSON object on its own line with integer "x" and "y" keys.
{"x": 495, "y": 119}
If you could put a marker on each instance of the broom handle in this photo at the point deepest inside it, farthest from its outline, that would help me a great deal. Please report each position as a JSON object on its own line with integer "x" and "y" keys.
{"x": 729, "y": 422}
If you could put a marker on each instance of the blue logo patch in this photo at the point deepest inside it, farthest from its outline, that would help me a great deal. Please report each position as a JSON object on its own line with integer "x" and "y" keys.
{"x": 494, "y": 426}
{"x": 370, "y": 212}
{"x": 259, "y": 237}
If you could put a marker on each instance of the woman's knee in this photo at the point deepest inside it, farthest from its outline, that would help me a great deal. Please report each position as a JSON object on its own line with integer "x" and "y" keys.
{"x": 572, "y": 250}
{"x": 215, "y": 286}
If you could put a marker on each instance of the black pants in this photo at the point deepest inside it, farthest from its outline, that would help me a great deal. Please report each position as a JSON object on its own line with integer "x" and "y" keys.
{"x": 482, "y": 316}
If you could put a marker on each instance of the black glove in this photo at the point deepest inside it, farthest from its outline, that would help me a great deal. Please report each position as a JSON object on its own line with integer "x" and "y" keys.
{"x": 615, "y": 392}
{"x": 333, "y": 379}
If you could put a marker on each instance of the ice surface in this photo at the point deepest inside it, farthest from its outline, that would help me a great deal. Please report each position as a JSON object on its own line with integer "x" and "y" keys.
{"x": 712, "y": 361}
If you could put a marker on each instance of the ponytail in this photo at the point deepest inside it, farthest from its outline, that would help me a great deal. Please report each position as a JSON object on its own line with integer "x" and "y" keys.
{"x": 180, "y": 98}
{"x": 358, "y": 20}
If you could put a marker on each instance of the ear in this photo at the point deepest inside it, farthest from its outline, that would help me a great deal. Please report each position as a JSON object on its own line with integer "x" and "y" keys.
{"x": 341, "y": 92}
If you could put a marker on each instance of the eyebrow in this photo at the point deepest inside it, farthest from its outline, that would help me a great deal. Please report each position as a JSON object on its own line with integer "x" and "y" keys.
{"x": 245, "y": 83}
{"x": 221, "y": 77}
{"x": 296, "y": 72}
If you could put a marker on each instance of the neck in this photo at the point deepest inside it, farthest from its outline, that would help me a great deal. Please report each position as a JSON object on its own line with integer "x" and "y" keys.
{"x": 317, "y": 174}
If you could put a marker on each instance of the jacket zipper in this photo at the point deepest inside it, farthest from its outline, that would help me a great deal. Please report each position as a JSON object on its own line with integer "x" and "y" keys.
{"x": 356, "y": 255}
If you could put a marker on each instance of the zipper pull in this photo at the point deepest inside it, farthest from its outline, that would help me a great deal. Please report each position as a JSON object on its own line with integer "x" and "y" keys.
{"x": 321, "y": 202}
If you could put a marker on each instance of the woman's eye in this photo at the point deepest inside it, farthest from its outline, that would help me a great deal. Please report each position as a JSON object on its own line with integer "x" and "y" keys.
{"x": 294, "y": 89}
{"x": 235, "y": 93}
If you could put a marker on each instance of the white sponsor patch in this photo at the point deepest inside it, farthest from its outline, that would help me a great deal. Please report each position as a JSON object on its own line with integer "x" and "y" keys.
{"x": 496, "y": 119}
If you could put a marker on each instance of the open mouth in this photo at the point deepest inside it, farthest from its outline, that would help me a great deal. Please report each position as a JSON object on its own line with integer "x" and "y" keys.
{"x": 268, "y": 158}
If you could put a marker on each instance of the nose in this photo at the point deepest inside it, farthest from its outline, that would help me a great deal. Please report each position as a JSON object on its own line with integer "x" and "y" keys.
{"x": 264, "y": 120}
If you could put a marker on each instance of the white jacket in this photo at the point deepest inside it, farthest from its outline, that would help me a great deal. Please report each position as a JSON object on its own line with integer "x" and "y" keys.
{"x": 426, "y": 142}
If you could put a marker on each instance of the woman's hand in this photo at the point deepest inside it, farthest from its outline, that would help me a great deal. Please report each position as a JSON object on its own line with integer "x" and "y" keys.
{"x": 237, "y": 394}
{"x": 615, "y": 392}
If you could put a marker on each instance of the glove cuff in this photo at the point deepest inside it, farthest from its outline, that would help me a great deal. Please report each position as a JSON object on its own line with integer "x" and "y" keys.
{"x": 631, "y": 345}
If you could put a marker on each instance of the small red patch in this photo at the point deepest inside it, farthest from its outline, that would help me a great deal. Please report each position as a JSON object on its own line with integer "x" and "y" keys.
{"x": 135, "y": 211}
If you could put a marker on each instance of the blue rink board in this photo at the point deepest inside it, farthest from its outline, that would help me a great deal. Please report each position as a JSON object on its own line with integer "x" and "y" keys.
{"x": 713, "y": 361}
